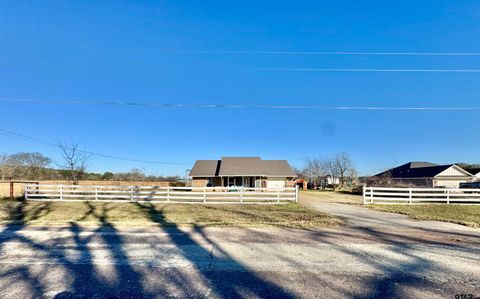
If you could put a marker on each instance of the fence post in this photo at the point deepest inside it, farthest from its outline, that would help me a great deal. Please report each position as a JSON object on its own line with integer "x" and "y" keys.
{"x": 168, "y": 194}
{"x": 409, "y": 195}
{"x": 241, "y": 195}
{"x": 371, "y": 194}
{"x": 204, "y": 194}
{"x": 61, "y": 192}
{"x": 296, "y": 193}
{"x": 364, "y": 194}
{"x": 278, "y": 195}
{"x": 26, "y": 191}
{"x": 11, "y": 190}
{"x": 448, "y": 196}
{"x": 96, "y": 192}
{"x": 131, "y": 193}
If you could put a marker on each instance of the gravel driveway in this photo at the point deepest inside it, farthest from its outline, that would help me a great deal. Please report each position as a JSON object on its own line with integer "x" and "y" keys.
{"x": 361, "y": 217}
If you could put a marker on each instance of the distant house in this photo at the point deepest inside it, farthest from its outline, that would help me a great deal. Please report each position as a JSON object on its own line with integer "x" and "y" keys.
{"x": 331, "y": 180}
{"x": 425, "y": 174}
{"x": 327, "y": 181}
{"x": 242, "y": 172}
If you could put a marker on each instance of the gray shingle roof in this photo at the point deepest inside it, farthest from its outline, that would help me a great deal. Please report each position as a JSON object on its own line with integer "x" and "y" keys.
{"x": 242, "y": 166}
{"x": 473, "y": 171}
{"x": 278, "y": 168}
{"x": 231, "y": 166}
{"x": 415, "y": 170}
{"x": 205, "y": 168}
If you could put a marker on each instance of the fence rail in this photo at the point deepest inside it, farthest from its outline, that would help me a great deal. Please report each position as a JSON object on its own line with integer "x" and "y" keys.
{"x": 191, "y": 195}
{"x": 384, "y": 195}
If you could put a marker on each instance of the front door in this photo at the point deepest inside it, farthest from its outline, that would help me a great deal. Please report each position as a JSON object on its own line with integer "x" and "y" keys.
{"x": 249, "y": 182}
{"x": 258, "y": 182}
{"x": 235, "y": 181}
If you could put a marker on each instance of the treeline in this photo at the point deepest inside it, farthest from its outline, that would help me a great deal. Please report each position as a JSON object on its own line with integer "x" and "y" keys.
{"x": 332, "y": 171}
{"x": 36, "y": 166}
{"x": 467, "y": 166}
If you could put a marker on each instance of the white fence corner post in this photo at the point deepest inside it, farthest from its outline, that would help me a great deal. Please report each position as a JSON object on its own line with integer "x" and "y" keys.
{"x": 409, "y": 195}
{"x": 26, "y": 191}
{"x": 241, "y": 195}
{"x": 204, "y": 194}
{"x": 296, "y": 192}
{"x": 131, "y": 193}
{"x": 61, "y": 192}
{"x": 278, "y": 195}
{"x": 448, "y": 196}
{"x": 364, "y": 194}
{"x": 168, "y": 194}
{"x": 96, "y": 192}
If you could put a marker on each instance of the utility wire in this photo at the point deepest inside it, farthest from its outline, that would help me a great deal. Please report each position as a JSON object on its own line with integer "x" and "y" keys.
{"x": 370, "y": 70}
{"x": 229, "y": 106}
{"x": 48, "y": 143}
{"x": 329, "y": 53}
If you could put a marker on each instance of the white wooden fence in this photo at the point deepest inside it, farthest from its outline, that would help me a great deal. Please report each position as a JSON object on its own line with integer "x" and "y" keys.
{"x": 190, "y": 195}
{"x": 381, "y": 195}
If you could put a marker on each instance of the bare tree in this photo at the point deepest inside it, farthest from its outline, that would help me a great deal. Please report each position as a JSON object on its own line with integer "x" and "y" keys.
{"x": 74, "y": 161}
{"x": 33, "y": 163}
{"x": 4, "y": 167}
{"x": 23, "y": 165}
{"x": 314, "y": 170}
{"x": 343, "y": 167}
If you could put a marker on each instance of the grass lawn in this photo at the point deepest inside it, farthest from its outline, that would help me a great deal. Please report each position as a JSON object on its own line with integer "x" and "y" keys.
{"x": 468, "y": 215}
{"x": 329, "y": 196}
{"x": 290, "y": 215}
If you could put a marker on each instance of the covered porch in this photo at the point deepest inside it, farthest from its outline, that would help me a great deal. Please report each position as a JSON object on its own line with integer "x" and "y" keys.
{"x": 243, "y": 181}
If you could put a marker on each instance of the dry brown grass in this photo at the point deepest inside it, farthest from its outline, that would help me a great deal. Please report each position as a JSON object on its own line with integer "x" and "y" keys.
{"x": 312, "y": 196}
{"x": 468, "y": 215}
{"x": 131, "y": 214}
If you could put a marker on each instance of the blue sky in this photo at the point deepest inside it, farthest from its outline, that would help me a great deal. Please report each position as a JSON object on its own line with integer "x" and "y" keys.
{"x": 150, "y": 52}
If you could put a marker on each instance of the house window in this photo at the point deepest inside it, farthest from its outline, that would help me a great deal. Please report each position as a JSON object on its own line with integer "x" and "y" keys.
{"x": 210, "y": 182}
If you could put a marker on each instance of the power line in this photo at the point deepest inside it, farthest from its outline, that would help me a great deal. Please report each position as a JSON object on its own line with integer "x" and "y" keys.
{"x": 346, "y": 53}
{"x": 229, "y": 106}
{"x": 370, "y": 70}
{"x": 48, "y": 143}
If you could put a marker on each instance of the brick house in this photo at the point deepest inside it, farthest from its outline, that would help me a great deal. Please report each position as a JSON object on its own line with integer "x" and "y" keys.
{"x": 424, "y": 174}
{"x": 242, "y": 172}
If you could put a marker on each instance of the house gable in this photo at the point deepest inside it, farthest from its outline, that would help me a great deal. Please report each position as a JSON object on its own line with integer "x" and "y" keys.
{"x": 454, "y": 171}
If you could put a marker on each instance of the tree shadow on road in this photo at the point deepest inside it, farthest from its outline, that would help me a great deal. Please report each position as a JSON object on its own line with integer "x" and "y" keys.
{"x": 82, "y": 263}
{"x": 239, "y": 282}
{"x": 72, "y": 257}
{"x": 402, "y": 261}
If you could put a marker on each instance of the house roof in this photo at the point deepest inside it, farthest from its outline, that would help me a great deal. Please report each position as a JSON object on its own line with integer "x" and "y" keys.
{"x": 473, "y": 171}
{"x": 242, "y": 166}
{"x": 231, "y": 166}
{"x": 421, "y": 164}
{"x": 416, "y": 170}
{"x": 205, "y": 168}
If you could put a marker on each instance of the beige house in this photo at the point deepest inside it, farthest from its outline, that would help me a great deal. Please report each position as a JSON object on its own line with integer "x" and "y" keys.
{"x": 242, "y": 172}
{"x": 425, "y": 174}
